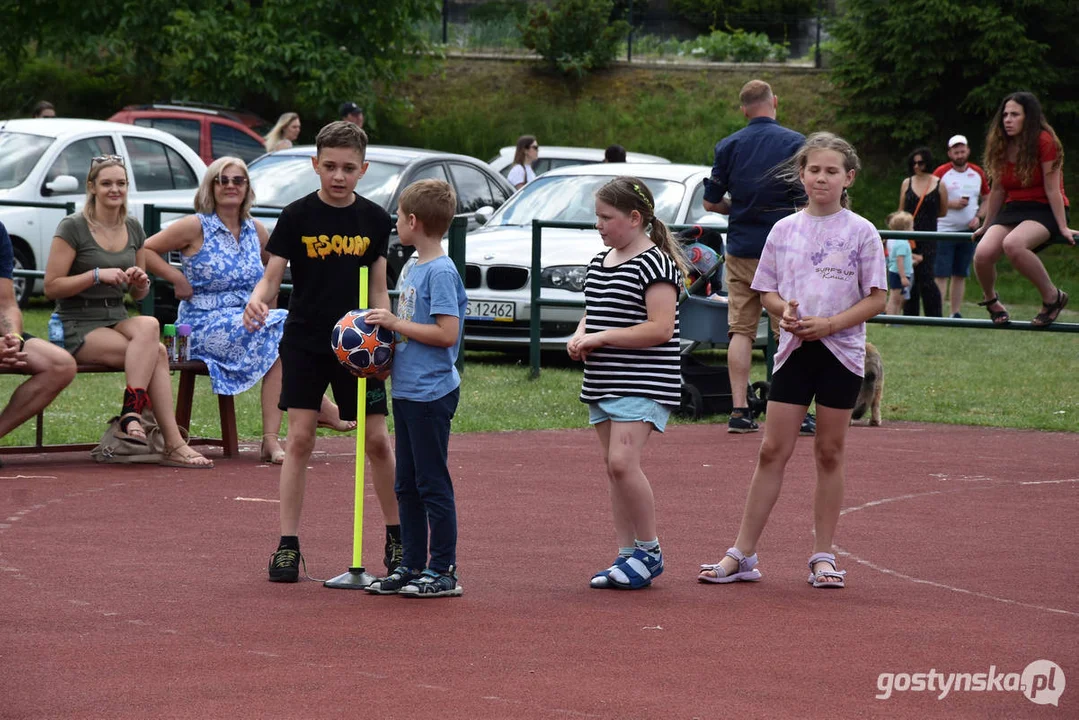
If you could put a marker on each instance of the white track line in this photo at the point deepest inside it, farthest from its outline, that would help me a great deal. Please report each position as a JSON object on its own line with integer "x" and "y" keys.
{"x": 944, "y": 586}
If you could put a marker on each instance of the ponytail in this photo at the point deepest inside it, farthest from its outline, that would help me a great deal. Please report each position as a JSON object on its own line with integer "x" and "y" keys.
{"x": 662, "y": 238}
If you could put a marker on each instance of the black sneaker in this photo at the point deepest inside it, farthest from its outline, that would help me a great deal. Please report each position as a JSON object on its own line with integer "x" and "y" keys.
{"x": 809, "y": 425}
{"x": 392, "y": 583}
{"x": 285, "y": 565}
{"x": 394, "y": 553}
{"x": 432, "y": 584}
{"x": 741, "y": 421}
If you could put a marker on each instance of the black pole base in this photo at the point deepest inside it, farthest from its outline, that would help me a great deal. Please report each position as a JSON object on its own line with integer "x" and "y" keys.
{"x": 355, "y": 579}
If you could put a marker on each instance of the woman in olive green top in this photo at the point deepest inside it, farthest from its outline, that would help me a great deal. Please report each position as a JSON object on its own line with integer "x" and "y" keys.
{"x": 96, "y": 255}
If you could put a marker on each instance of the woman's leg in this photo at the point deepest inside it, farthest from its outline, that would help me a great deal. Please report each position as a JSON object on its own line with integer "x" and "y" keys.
{"x": 1019, "y": 246}
{"x": 986, "y": 253}
{"x": 126, "y": 345}
{"x": 828, "y": 451}
{"x": 270, "y": 395}
{"x": 780, "y": 436}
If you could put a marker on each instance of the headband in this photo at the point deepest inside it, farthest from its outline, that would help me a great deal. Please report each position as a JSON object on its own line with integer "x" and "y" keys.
{"x": 643, "y": 197}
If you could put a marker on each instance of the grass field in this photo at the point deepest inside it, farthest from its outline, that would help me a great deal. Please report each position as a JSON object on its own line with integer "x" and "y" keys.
{"x": 946, "y": 375}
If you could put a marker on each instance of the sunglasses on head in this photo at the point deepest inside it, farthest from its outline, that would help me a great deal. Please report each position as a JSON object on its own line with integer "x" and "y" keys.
{"x": 107, "y": 158}
{"x": 236, "y": 180}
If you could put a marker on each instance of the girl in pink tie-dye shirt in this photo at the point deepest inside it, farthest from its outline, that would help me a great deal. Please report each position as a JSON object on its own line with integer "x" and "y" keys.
{"x": 823, "y": 272}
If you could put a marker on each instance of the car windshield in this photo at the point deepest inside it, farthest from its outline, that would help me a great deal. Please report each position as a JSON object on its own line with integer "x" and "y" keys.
{"x": 281, "y": 179}
{"x": 572, "y": 198}
{"x": 19, "y": 153}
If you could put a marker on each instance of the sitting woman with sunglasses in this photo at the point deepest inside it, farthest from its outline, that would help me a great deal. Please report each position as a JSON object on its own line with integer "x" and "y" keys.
{"x": 95, "y": 256}
{"x": 222, "y": 252}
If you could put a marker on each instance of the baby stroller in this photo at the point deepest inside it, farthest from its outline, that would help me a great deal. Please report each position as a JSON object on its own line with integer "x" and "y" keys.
{"x": 702, "y": 311}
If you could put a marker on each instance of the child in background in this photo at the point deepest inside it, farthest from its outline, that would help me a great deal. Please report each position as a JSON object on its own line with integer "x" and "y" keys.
{"x": 426, "y": 389}
{"x": 900, "y": 263}
{"x": 628, "y": 340}
{"x": 823, "y": 272}
{"x": 325, "y": 238}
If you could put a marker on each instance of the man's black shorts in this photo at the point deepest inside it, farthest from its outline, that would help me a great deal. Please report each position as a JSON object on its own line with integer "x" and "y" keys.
{"x": 812, "y": 370}
{"x": 305, "y": 376}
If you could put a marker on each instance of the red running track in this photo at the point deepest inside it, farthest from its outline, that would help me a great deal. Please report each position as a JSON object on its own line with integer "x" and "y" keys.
{"x": 140, "y": 592}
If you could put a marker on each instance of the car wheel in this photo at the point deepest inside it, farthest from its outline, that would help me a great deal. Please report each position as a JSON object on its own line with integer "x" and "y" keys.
{"x": 24, "y": 287}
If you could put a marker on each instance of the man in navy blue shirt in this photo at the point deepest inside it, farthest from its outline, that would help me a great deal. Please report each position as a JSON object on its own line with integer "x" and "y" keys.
{"x": 744, "y": 187}
{"x": 51, "y": 368}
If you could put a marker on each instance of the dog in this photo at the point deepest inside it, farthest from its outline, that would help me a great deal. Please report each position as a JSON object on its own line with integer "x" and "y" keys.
{"x": 872, "y": 387}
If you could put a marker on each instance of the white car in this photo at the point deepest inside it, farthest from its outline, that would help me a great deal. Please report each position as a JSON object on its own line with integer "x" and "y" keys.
{"x": 46, "y": 160}
{"x": 552, "y": 157}
{"x": 499, "y": 254}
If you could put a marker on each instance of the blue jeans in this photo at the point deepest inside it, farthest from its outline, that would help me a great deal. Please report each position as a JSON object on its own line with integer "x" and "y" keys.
{"x": 423, "y": 485}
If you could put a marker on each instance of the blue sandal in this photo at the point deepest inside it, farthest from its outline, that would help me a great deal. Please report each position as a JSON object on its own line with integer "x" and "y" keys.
{"x": 639, "y": 569}
{"x": 602, "y": 579}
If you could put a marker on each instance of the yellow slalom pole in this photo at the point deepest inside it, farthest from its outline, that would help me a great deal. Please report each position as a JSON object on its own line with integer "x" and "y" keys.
{"x": 356, "y": 577}
{"x": 361, "y": 425}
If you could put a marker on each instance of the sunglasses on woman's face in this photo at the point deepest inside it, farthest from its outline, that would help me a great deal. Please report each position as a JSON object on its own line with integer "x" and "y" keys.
{"x": 919, "y": 162}
{"x": 236, "y": 180}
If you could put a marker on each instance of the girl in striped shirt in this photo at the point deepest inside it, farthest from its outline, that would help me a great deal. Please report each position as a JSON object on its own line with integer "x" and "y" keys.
{"x": 628, "y": 340}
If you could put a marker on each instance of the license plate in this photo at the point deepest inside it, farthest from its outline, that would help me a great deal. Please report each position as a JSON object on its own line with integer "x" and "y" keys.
{"x": 496, "y": 311}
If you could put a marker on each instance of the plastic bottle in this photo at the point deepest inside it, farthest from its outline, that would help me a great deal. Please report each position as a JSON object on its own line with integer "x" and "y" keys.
{"x": 169, "y": 332}
{"x": 56, "y": 330}
{"x": 183, "y": 342}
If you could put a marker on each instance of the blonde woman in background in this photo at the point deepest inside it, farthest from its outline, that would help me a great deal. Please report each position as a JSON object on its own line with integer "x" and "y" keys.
{"x": 284, "y": 133}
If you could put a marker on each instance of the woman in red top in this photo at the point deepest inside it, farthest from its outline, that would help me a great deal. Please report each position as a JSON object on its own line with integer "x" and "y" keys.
{"x": 1027, "y": 205}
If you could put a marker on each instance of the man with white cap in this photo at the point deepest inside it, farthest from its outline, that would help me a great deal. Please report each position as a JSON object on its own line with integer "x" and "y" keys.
{"x": 968, "y": 192}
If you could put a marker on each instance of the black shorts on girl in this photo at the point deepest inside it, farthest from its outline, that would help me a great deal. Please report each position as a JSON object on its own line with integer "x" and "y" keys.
{"x": 305, "y": 376}
{"x": 812, "y": 370}
{"x": 1014, "y": 213}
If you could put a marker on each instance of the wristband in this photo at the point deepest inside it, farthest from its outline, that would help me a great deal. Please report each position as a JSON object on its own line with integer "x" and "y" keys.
{"x": 22, "y": 340}
{"x": 97, "y": 276}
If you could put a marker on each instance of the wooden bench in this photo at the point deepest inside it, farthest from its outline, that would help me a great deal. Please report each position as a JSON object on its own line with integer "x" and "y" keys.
{"x": 229, "y": 440}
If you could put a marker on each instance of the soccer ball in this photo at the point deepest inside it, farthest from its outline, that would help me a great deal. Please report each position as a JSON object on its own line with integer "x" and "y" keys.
{"x": 365, "y": 349}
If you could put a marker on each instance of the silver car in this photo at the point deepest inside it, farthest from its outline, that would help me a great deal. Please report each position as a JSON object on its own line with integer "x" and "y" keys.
{"x": 499, "y": 254}
{"x": 552, "y": 157}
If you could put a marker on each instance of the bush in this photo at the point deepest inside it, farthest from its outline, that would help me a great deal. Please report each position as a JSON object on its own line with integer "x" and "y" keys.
{"x": 574, "y": 37}
{"x": 738, "y": 46}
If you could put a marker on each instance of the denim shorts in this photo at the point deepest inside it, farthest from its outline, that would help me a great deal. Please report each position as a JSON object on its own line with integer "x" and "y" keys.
{"x": 629, "y": 409}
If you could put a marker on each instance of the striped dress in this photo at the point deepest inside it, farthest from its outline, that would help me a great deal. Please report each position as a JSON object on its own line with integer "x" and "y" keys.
{"x": 615, "y": 298}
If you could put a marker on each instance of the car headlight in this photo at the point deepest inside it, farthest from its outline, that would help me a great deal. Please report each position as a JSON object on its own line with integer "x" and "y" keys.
{"x": 564, "y": 277}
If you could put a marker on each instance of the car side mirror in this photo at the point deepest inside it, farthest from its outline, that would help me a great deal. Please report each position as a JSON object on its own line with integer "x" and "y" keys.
{"x": 484, "y": 214}
{"x": 62, "y": 185}
{"x": 714, "y": 220}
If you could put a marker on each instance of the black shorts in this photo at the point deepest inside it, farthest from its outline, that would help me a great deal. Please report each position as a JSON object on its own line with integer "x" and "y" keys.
{"x": 1014, "y": 213}
{"x": 305, "y": 376}
{"x": 812, "y": 370}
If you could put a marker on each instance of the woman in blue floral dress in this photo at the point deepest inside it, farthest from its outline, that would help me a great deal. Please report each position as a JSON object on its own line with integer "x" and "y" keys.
{"x": 222, "y": 251}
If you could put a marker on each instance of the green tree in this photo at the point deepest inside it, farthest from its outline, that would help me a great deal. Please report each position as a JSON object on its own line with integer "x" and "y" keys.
{"x": 574, "y": 37}
{"x": 920, "y": 69}
{"x": 774, "y": 17}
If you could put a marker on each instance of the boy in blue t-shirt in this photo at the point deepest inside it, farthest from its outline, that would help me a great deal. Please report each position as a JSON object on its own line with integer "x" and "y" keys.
{"x": 900, "y": 263}
{"x": 425, "y": 386}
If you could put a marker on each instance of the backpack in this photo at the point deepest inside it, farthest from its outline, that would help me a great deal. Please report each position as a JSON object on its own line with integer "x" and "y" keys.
{"x": 116, "y": 449}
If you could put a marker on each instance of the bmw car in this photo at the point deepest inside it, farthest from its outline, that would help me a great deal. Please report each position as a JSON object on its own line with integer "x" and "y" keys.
{"x": 499, "y": 254}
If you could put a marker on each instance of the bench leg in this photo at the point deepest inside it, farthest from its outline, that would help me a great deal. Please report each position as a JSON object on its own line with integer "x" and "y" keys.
{"x": 229, "y": 440}
{"x": 184, "y": 396}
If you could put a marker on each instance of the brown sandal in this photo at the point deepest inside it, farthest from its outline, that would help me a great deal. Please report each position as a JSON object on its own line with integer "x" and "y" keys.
{"x": 1051, "y": 311}
{"x": 999, "y": 317}
{"x": 176, "y": 457}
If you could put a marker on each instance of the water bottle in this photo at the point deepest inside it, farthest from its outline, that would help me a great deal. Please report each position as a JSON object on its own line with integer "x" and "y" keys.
{"x": 56, "y": 330}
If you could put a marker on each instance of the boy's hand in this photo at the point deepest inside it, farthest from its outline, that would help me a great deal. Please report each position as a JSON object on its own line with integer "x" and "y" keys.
{"x": 255, "y": 314}
{"x": 916, "y": 258}
{"x": 383, "y": 318}
{"x": 905, "y": 282}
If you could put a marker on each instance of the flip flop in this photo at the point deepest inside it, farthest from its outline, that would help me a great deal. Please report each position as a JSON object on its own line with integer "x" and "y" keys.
{"x": 833, "y": 577}
{"x": 747, "y": 569}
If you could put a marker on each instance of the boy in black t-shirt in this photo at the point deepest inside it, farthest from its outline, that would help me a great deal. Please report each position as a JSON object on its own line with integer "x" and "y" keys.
{"x": 325, "y": 238}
